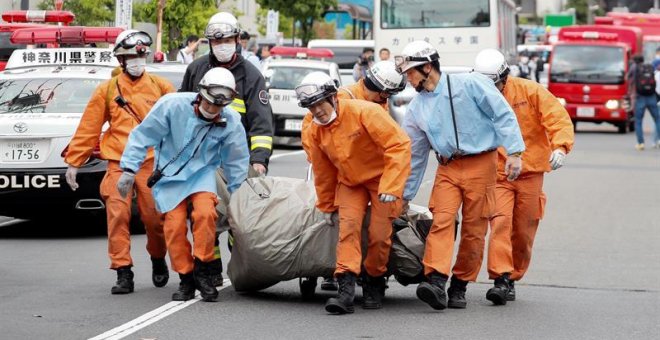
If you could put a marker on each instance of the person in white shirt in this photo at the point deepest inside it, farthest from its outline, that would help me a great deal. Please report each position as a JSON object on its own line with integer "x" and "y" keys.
{"x": 186, "y": 55}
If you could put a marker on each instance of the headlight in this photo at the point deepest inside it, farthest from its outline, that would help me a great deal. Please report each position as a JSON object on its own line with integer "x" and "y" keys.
{"x": 612, "y": 104}
{"x": 562, "y": 101}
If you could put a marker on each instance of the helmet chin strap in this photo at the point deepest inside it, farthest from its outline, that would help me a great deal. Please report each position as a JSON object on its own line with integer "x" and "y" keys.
{"x": 422, "y": 82}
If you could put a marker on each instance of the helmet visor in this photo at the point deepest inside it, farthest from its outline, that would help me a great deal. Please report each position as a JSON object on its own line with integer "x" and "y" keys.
{"x": 310, "y": 94}
{"x": 401, "y": 62}
{"x": 217, "y": 95}
{"x": 220, "y": 30}
{"x": 134, "y": 39}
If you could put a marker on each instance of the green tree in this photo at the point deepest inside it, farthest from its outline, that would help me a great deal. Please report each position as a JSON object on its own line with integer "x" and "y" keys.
{"x": 88, "y": 12}
{"x": 304, "y": 12}
{"x": 181, "y": 18}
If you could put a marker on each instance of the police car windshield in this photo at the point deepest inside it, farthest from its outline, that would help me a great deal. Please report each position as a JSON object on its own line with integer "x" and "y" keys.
{"x": 587, "y": 64}
{"x": 46, "y": 95}
{"x": 287, "y": 78}
{"x": 6, "y": 47}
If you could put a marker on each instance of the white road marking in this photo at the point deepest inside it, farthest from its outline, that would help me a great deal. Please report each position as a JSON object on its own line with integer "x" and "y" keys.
{"x": 293, "y": 153}
{"x": 149, "y": 318}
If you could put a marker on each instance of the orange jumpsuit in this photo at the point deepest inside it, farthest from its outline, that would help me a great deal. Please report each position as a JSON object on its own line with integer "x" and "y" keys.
{"x": 357, "y": 91}
{"x": 141, "y": 94}
{"x": 545, "y": 126}
{"x": 362, "y": 154}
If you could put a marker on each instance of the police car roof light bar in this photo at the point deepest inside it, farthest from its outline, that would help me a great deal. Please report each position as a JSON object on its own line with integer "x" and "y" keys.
{"x": 64, "y": 17}
{"x": 301, "y": 52}
{"x": 65, "y": 35}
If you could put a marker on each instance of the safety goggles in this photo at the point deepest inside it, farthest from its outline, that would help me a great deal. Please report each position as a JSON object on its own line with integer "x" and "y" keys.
{"x": 135, "y": 39}
{"x": 382, "y": 85}
{"x": 310, "y": 94}
{"x": 219, "y": 31}
{"x": 400, "y": 61}
{"x": 217, "y": 95}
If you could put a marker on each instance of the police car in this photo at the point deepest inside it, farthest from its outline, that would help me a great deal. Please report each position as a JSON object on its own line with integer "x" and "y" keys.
{"x": 283, "y": 75}
{"x": 43, "y": 94}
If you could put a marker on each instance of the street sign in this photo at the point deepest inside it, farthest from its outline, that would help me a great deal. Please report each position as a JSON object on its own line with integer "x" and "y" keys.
{"x": 559, "y": 20}
{"x": 272, "y": 23}
{"x": 123, "y": 13}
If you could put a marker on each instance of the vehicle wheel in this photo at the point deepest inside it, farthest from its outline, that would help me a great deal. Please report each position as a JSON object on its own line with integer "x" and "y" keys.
{"x": 631, "y": 125}
{"x": 574, "y": 125}
{"x": 623, "y": 127}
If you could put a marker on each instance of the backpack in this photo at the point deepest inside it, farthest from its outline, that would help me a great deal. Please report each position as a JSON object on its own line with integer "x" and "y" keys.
{"x": 645, "y": 80}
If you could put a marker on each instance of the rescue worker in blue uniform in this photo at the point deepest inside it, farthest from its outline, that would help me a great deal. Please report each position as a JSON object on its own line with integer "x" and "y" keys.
{"x": 193, "y": 135}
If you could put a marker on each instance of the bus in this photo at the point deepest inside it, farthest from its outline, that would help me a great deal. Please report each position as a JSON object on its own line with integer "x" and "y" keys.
{"x": 458, "y": 29}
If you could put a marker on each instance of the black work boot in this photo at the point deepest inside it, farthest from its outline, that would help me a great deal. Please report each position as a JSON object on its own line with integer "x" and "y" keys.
{"x": 215, "y": 271}
{"x": 329, "y": 284}
{"x": 456, "y": 293}
{"x": 372, "y": 292}
{"x": 343, "y": 303}
{"x": 203, "y": 281}
{"x": 159, "y": 272}
{"x": 186, "y": 288}
{"x": 498, "y": 294}
{"x": 433, "y": 291}
{"x": 512, "y": 292}
{"x": 124, "y": 284}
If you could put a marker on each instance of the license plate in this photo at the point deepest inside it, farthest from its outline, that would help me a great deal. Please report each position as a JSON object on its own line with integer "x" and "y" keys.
{"x": 32, "y": 150}
{"x": 586, "y": 111}
{"x": 293, "y": 124}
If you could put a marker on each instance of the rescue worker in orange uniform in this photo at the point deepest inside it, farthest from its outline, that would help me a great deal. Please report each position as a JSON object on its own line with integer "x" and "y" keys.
{"x": 463, "y": 118}
{"x": 123, "y": 102}
{"x": 193, "y": 134}
{"x": 359, "y": 155}
{"x": 381, "y": 82}
{"x": 548, "y": 134}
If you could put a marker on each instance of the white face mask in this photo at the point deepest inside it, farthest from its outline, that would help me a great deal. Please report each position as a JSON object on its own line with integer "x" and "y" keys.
{"x": 206, "y": 114}
{"x": 135, "y": 67}
{"x": 524, "y": 60}
{"x": 333, "y": 116}
{"x": 224, "y": 52}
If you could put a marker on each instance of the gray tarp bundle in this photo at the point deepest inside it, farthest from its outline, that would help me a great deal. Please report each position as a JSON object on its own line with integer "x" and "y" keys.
{"x": 279, "y": 235}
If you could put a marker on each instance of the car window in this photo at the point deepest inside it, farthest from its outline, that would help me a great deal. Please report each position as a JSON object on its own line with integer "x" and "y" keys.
{"x": 287, "y": 78}
{"x": 6, "y": 47}
{"x": 46, "y": 95}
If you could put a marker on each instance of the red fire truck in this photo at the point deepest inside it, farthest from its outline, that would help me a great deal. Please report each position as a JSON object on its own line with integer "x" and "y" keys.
{"x": 15, "y": 20}
{"x": 588, "y": 73}
{"x": 647, "y": 22}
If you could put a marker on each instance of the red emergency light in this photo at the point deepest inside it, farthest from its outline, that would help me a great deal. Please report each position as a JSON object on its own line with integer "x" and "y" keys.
{"x": 301, "y": 52}
{"x": 74, "y": 35}
{"x": 589, "y": 35}
{"x": 38, "y": 16}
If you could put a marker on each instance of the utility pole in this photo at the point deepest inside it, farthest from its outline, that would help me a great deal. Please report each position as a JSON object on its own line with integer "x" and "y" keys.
{"x": 590, "y": 16}
{"x": 159, "y": 25}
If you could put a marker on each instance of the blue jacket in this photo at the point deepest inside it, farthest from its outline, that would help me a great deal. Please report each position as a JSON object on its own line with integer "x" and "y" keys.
{"x": 170, "y": 125}
{"x": 484, "y": 121}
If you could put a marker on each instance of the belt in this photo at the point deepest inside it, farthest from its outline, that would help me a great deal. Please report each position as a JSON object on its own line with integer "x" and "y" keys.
{"x": 445, "y": 161}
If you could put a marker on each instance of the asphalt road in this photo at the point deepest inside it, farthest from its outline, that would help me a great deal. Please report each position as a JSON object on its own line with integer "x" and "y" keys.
{"x": 595, "y": 273}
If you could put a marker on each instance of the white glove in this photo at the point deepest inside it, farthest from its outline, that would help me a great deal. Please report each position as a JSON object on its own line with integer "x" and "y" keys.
{"x": 331, "y": 218}
{"x": 125, "y": 183}
{"x": 557, "y": 159}
{"x": 386, "y": 198}
{"x": 513, "y": 167}
{"x": 70, "y": 175}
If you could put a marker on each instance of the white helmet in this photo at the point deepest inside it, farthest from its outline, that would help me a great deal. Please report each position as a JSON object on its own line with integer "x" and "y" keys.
{"x": 132, "y": 42}
{"x": 218, "y": 86}
{"x": 491, "y": 63}
{"x": 315, "y": 87}
{"x": 383, "y": 77}
{"x": 416, "y": 53}
{"x": 222, "y": 25}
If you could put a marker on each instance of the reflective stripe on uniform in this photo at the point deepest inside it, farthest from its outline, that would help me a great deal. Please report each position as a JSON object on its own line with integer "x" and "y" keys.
{"x": 238, "y": 105}
{"x": 261, "y": 142}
